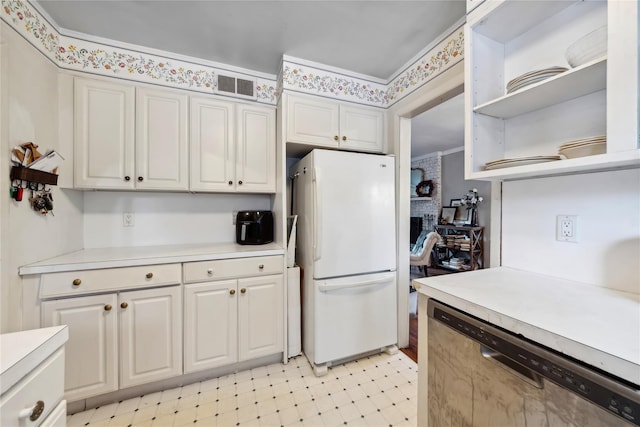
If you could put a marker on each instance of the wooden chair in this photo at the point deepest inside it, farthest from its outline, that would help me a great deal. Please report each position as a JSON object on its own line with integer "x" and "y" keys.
{"x": 421, "y": 255}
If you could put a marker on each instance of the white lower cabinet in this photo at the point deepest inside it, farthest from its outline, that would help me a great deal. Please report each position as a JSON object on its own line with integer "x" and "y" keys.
{"x": 228, "y": 321}
{"x": 118, "y": 340}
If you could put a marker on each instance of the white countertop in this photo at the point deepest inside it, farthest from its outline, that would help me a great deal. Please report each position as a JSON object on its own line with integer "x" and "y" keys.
{"x": 21, "y": 352}
{"x": 596, "y": 325}
{"x": 90, "y": 259}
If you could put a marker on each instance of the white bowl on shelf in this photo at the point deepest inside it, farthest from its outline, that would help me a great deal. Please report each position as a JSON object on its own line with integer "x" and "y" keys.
{"x": 583, "y": 150}
{"x": 588, "y": 48}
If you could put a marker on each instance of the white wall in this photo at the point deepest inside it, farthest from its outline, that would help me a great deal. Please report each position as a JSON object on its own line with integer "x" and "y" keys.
{"x": 608, "y": 205}
{"x": 164, "y": 218}
{"x": 29, "y": 106}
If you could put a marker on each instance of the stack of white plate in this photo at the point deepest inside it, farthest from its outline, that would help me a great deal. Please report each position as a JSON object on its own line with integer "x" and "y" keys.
{"x": 532, "y": 77}
{"x": 520, "y": 161}
{"x": 583, "y": 147}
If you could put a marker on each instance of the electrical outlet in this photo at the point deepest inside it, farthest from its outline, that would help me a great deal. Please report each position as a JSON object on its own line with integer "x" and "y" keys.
{"x": 128, "y": 219}
{"x": 567, "y": 228}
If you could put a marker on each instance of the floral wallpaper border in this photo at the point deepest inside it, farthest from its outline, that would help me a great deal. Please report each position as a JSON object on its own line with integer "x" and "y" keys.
{"x": 96, "y": 58}
{"x": 316, "y": 81}
{"x": 439, "y": 59}
{"x": 80, "y": 55}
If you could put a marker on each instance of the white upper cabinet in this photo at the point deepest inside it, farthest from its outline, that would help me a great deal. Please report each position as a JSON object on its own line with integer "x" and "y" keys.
{"x": 162, "y": 148}
{"x": 104, "y": 134}
{"x": 256, "y": 149}
{"x": 212, "y": 145}
{"x": 312, "y": 121}
{"x": 128, "y": 138}
{"x": 233, "y": 147}
{"x": 325, "y": 123}
{"x": 597, "y": 97}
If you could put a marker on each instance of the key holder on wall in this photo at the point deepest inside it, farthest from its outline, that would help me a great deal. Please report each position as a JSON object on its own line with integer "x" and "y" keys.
{"x": 35, "y": 180}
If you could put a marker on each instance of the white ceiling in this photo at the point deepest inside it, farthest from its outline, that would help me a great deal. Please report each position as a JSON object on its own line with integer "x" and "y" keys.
{"x": 440, "y": 128}
{"x": 374, "y": 38}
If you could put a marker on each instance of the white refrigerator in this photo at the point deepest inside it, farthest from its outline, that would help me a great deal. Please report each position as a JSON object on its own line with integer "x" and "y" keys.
{"x": 346, "y": 245}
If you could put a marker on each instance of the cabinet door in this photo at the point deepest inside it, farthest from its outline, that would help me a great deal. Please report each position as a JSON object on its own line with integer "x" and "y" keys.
{"x": 210, "y": 325}
{"x": 212, "y": 145}
{"x": 361, "y": 129}
{"x": 260, "y": 317}
{"x": 161, "y": 140}
{"x": 104, "y": 135}
{"x": 312, "y": 121}
{"x": 150, "y": 335}
{"x": 256, "y": 149}
{"x": 91, "y": 354}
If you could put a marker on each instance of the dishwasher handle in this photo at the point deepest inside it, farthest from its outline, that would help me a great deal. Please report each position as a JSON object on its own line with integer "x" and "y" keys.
{"x": 527, "y": 375}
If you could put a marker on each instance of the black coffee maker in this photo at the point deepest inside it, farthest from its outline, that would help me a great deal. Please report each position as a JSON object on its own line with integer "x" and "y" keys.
{"x": 254, "y": 227}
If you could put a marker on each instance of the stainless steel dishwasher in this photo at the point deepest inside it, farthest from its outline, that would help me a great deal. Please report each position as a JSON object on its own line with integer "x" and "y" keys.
{"x": 484, "y": 376}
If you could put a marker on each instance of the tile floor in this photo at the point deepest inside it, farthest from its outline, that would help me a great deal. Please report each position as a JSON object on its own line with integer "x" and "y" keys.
{"x": 379, "y": 390}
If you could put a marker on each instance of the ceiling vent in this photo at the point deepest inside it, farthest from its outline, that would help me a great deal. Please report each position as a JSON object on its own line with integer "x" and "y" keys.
{"x": 236, "y": 86}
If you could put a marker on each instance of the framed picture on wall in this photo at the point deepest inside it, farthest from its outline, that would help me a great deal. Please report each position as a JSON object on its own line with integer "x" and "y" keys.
{"x": 455, "y": 202}
{"x": 447, "y": 214}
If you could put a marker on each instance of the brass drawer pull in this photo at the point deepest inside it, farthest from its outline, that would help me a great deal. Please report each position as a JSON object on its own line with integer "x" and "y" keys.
{"x": 210, "y": 272}
{"x": 344, "y": 138}
{"x": 243, "y": 291}
{"x": 261, "y": 266}
{"x": 232, "y": 291}
{"x": 335, "y": 137}
{"x": 107, "y": 307}
{"x": 149, "y": 275}
{"x": 76, "y": 282}
{"x": 37, "y": 410}
{"x": 124, "y": 305}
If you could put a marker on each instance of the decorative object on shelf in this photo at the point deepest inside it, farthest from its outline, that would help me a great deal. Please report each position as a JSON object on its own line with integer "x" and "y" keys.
{"x": 583, "y": 147}
{"x": 417, "y": 176}
{"x": 587, "y": 48}
{"x": 519, "y": 161}
{"x": 447, "y": 214}
{"x": 470, "y": 201}
{"x": 424, "y": 188}
{"x": 532, "y": 77}
{"x": 34, "y": 171}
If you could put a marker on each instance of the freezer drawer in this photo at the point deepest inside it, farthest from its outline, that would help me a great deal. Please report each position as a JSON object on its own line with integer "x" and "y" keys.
{"x": 352, "y": 315}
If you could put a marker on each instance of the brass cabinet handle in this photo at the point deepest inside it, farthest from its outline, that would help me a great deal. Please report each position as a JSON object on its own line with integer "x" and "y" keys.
{"x": 261, "y": 266}
{"x": 38, "y": 409}
{"x": 239, "y": 182}
{"x": 140, "y": 179}
{"x": 127, "y": 178}
{"x": 232, "y": 291}
{"x": 210, "y": 272}
{"x": 107, "y": 307}
{"x": 76, "y": 282}
{"x": 344, "y": 138}
{"x": 230, "y": 182}
{"x": 124, "y": 305}
{"x": 335, "y": 137}
{"x": 243, "y": 291}
{"x": 149, "y": 275}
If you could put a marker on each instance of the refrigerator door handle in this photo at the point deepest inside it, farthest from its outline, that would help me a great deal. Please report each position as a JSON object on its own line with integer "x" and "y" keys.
{"x": 338, "y": 286}
{"x": 317, "y": 209}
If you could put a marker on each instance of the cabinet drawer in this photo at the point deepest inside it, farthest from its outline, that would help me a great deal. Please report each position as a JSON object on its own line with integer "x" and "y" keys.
{"x": 232, "y": 268}
{"x": 91, "y": 281}
{"x": 44, "y": 386}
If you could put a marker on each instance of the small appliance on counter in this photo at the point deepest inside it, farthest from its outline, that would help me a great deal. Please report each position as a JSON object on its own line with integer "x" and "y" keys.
{"x": 254, "y": 227}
